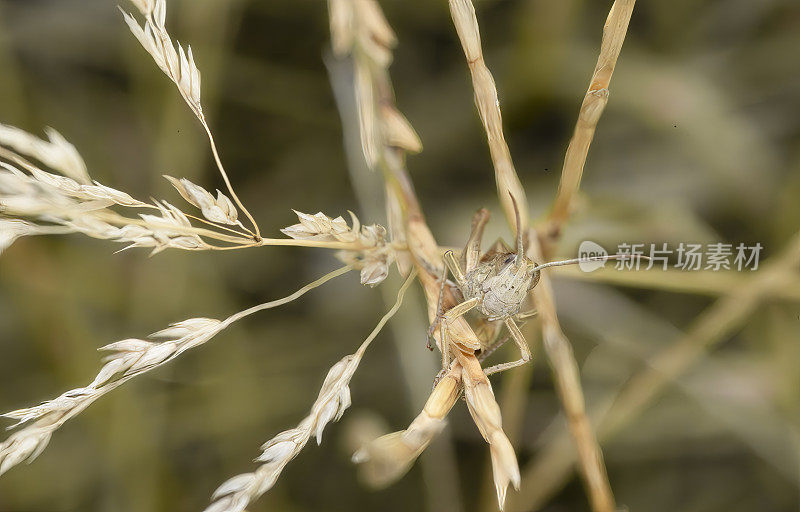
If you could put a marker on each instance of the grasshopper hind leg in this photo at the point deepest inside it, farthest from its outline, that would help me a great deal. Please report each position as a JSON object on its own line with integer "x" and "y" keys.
{"x": 525, "y": 351}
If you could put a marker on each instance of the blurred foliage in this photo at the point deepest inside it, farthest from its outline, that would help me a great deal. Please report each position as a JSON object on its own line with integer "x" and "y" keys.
{"x": 700, "y": 142}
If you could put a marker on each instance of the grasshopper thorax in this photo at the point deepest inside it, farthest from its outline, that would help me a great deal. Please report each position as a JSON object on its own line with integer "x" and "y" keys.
{"x": 501, "y": 282}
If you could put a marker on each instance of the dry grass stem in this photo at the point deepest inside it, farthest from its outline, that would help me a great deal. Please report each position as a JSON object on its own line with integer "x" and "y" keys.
{"x": 567, "y": 379}
{"x": 333, "y": 400}
{"x": 508, "y": 183}
{"x": 708, "y": 283}
{"x": 614, "y": 31}
{"x": 128, "y": 359}
{"x": 557, "y": 347}
{"x": 390, "y": 456}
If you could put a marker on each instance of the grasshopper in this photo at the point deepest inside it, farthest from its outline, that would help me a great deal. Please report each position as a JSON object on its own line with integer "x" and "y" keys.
{"x": 495, "y": 284}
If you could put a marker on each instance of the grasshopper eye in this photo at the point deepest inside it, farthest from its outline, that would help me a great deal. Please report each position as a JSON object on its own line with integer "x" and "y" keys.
{"x": 509, "y": 259}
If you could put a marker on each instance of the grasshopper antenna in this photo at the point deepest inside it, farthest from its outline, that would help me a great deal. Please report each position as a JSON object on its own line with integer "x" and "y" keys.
{"x": 520, "y": 249}
{"x": 575, "y": 261}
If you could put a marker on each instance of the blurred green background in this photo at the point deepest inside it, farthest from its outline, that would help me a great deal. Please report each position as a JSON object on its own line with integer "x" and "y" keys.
{"x": 699, "y": 143}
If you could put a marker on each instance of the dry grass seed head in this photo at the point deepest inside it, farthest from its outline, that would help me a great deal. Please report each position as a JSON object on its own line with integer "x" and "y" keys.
{"x": 486, "y": 414}
{"x": 129, "y": 358}
{"x": 372, "y": 253}
{"x": 387, "y": 458}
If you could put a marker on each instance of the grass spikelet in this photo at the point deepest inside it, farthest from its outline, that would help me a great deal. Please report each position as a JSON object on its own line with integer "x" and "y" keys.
{"x": 372, "y": 253}
{"x": 386, "y": 459}
{"x": 486, "y": 413}
{"x": 57, "y": 153}
{"x": 178, "y": 64}
{"x": 359, "y": 29}
{"x": 219, "y": 209}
